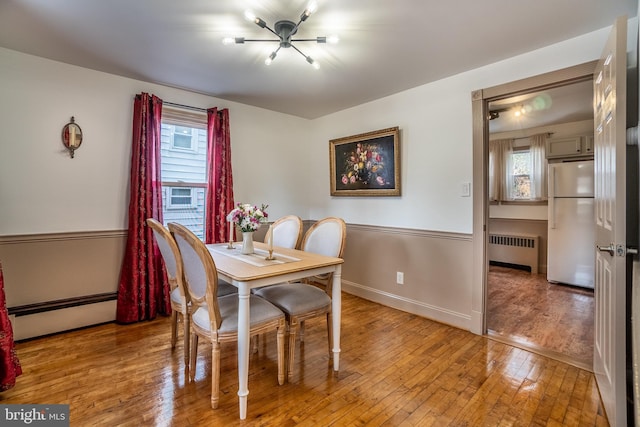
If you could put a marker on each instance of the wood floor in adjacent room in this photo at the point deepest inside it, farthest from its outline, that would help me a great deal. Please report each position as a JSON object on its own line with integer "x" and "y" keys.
{"x": 396, "y": 369}
{"x": 554, "y": 319}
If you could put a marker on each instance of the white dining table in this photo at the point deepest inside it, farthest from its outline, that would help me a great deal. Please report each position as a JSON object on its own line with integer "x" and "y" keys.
{"x": 251, "y": 271}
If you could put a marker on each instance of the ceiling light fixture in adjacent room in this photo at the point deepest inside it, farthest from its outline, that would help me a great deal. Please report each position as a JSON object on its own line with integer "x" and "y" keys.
{"x": 284, "y": 30}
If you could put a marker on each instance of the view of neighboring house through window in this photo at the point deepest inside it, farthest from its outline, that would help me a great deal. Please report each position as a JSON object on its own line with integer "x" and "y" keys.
{"x": 183, "y": 152}
{"x": 521, "y": 173}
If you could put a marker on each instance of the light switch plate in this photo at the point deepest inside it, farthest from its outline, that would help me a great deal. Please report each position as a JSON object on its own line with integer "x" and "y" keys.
{"x": 465, "y": 189}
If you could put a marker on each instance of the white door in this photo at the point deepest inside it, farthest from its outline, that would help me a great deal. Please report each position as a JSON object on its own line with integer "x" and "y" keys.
{"x": 610, "y": 205}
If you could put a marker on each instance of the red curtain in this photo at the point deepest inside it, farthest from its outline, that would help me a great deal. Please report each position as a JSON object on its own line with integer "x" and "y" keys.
{"x": 143, "y": 291}
{"x": 9, "y": 364}
{"x": 220, "y": 187}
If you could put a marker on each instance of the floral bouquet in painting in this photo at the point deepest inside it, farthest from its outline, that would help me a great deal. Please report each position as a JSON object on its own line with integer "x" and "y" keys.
{"x": 248, "y": 217}
{"x": 365, "y": 166}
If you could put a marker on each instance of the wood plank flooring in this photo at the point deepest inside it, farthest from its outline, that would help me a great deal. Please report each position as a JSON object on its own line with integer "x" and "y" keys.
{"x": 397, "y": 369}
{"x": 556, "y": 320}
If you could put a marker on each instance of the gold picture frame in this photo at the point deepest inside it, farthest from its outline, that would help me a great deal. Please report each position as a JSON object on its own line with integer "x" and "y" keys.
{"x": 367, "y": 164}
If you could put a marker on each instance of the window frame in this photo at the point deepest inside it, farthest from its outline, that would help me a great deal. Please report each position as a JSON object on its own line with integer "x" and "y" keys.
{"x": 194, "y": 140}
{"x": 521, "y": 150}
{"x": 197, "y": 122}
{"x": 193, "y": 202}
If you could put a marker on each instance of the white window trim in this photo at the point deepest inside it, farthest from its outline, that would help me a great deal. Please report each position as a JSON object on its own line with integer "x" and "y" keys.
{"x": 194, "y": 140}
{"x": 169, "y": 197}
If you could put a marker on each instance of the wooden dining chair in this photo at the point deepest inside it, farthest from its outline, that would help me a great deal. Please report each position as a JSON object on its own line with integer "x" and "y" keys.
{"x": 287, "y": 232}
{"x": 179, "y": 297}
{"x": 301, "y": 301}
{"x": 216, "y": 318}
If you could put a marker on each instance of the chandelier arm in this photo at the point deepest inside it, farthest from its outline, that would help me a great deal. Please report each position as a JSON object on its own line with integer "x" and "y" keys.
{"x": 305, "y": 40}
{"x": 299, "y": 51}
{"x": 293, "y": 31}
{"x": 273, "y": 32}
{"x": 262, "y": 40}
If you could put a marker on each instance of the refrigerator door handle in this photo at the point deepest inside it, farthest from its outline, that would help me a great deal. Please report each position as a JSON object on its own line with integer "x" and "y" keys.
{"x": 551, "y": 200}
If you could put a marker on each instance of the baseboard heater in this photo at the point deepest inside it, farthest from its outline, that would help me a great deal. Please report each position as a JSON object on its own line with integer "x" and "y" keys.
{"x": 514, "y": 249}
{"x": 52, "y": 317}
{"x": 43, "y": 307}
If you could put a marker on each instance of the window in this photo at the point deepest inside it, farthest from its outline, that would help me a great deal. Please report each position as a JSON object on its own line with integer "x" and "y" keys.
{"x": 183, "y": 157}
{"x": 182, "y": 137}
{"x": 180, "y": 198}
{"x": 521, "y": 173}
{"x": 518, "y": 172}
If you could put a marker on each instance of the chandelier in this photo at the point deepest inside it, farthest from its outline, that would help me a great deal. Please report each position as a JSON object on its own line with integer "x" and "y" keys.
{"x": 284, "y": 30}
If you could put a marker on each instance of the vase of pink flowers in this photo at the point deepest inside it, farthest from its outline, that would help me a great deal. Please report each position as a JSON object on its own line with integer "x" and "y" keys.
{"x": 248, "y": 218}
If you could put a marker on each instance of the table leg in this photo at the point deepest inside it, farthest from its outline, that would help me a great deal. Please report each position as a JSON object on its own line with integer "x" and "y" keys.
{"x": 336, "y": 313}
{"x": 243, "y": 347}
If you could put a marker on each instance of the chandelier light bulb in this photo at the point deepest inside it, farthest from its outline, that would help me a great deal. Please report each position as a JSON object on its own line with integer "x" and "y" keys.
{"x": 333, "y": 39}
{"x": 270, "y": 59}
{"x": 312, "y": 62}
{"x": 249, "y": 16}
{"x": 311, "y": 8}
{"x": 228, "y": 40}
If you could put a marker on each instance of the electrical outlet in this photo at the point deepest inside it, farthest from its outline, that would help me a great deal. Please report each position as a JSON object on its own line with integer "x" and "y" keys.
{"x": 400, "y": 278}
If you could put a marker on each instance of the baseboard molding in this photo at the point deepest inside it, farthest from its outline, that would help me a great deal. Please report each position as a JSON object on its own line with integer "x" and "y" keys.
{"x": 409, "y": 305}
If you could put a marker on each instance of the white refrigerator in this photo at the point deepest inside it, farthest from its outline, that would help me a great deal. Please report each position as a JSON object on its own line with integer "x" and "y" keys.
{"x": 571, "y": 222}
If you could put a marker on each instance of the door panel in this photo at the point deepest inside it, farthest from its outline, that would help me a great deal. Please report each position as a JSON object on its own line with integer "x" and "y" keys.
{"x": 610, "y": 200}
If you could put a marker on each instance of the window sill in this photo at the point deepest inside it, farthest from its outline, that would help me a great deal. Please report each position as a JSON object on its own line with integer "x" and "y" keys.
{"x": 520, "y": 203}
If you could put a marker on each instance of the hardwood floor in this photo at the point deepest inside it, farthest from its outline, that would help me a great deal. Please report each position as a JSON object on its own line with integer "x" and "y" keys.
{"x": 396, "y": 369}
{"x": 556, "y": 320}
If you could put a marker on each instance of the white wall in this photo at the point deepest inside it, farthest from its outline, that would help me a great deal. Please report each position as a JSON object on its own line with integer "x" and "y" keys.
{"x": 436, "y": 141}
{"x": 43, "y": 190}
{"x": 277, "y": 159}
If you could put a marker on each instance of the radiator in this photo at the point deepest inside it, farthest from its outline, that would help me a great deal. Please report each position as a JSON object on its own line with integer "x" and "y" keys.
{"x": 518, "y": 249}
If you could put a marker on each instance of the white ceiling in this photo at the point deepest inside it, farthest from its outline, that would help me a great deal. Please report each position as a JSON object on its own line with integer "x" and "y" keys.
{"x": 385, "y": 46}
{"x": 564, "y": 104}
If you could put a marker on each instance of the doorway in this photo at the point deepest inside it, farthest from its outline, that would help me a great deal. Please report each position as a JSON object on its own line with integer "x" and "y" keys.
{"x": 501, "y": 98}
{"x": 523, "y": 307}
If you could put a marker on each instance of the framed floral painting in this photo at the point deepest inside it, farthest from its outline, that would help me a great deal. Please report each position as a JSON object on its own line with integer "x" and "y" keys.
{"x": 367, "y": 164}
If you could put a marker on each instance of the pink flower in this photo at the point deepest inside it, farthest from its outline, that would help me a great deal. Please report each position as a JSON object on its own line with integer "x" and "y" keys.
{"x": 380, "y": 180}
{"x": 345, "y": 180}
{"x": 353, "y": 179}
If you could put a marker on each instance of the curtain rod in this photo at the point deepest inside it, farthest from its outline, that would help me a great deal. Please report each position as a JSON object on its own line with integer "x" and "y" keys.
{"x": 173, "y": 104}
{"x": 527, "y": 137}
